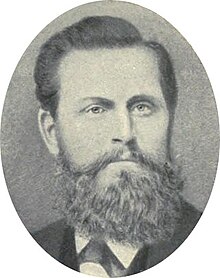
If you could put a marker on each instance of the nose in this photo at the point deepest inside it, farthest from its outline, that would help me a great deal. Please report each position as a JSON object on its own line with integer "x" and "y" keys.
{"x": 123, "y": 128}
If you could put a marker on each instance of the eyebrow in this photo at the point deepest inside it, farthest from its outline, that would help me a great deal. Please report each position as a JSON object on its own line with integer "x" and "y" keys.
{"x": 100, "y": 100}
{"x": 143, "y": 98}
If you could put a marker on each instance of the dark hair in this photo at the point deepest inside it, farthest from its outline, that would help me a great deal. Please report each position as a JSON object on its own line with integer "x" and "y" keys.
{"x": 93, "y": 33}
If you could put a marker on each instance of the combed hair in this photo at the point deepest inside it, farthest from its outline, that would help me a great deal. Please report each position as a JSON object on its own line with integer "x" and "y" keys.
{"x": 95, "y": 32}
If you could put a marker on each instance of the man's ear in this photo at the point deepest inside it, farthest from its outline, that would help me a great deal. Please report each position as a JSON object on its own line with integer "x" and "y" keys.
{"x": 48, "y": 132}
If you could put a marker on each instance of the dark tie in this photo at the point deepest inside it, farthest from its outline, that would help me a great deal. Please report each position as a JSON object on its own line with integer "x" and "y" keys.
{"x": 98, "y": 252}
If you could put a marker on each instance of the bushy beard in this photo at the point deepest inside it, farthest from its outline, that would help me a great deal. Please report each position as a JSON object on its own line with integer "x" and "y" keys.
{"x": 138, "y": 208}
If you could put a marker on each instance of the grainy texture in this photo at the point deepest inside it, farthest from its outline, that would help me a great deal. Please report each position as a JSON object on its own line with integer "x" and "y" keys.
{"x": 27, "y": 164}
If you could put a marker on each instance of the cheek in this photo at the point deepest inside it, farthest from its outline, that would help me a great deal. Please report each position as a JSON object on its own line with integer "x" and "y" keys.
{"x": 84, "y": 140}
{"x": 152, "y": 135}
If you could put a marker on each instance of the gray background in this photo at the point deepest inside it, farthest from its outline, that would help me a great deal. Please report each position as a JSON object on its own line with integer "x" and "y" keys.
{"x": 29, "y": 168}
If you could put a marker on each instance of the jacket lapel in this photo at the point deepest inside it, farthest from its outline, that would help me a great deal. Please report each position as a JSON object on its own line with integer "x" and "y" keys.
{"x": 68, "y": 255}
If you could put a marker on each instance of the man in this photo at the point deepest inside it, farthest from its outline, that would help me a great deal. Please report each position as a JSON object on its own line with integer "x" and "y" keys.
{"x": 108, "y": 99}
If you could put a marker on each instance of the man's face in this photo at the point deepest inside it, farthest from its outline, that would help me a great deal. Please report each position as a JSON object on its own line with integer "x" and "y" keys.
{"x": 109, "y": 98}
{"x": 111, "y": 143}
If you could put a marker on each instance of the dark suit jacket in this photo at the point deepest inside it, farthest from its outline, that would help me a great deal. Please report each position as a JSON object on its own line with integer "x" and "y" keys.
{"x": 58, "y": 240}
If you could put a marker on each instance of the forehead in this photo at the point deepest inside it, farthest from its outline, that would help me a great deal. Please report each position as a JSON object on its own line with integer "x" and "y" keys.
{"x": 113, "y": 73}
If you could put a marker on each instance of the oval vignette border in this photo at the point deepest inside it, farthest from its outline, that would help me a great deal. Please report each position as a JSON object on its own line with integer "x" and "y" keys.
{"x": 24, "y": 236}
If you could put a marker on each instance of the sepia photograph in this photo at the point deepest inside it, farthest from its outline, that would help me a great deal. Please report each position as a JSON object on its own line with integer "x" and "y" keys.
{"x": 110, "y": 141}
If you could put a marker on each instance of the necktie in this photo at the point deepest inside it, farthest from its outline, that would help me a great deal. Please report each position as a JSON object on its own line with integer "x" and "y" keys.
{"x": 97, "y": 251}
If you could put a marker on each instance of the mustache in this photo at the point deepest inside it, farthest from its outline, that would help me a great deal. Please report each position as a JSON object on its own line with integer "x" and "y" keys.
{"x": 141, "y": 207}
{"x": 117, "y": 155}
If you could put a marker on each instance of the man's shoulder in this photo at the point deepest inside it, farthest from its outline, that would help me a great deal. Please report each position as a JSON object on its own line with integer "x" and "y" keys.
{"x": 189, "y": 218}
{"x": 50, "y": 238}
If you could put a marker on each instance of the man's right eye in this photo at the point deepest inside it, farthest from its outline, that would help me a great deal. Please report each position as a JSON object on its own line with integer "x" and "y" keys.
{"x": 96, "y": 110}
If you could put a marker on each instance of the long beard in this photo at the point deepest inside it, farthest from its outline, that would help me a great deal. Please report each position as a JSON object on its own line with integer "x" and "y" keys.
{"x": 137, "y": 208}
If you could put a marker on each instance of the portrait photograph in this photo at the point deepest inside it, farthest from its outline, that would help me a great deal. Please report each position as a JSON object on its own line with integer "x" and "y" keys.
{"x": 110, "y": 139}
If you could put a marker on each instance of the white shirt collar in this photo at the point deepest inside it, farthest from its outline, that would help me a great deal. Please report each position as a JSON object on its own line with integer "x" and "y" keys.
{"x": 125, "y": 253}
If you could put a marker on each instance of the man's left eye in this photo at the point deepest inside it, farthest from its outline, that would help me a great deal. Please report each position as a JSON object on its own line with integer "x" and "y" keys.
{"x": 142, "y": 109}
{"x": 96, "y": 110}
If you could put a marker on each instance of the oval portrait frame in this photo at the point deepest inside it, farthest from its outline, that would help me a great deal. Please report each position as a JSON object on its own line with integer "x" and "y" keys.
{"x": 40, "y": 251}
